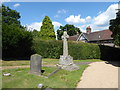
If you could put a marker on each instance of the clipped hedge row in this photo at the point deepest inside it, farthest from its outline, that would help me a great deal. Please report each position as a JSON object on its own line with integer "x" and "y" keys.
{"x": 78, "y": 50}
{"x": 81, "y": 50}
{"x": 48, "y": 49}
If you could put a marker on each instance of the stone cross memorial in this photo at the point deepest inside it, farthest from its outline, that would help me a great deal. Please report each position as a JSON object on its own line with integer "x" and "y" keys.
{"x": 66, "y": 61}
{"x": 35, "y": 64}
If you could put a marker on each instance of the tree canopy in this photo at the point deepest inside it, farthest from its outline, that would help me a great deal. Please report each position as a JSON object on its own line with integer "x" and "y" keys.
{"x": 47, "y": 30}
{"x": 10, "y": 16}
{"x": 71, "y": 30}
{"x": 16, "y": 40}
{"x": 115, "y": 28}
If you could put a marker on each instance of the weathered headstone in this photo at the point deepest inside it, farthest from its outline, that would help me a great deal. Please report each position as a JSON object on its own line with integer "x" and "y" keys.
{"x": 66, "y": 61}
{"x": 35, "y": 64}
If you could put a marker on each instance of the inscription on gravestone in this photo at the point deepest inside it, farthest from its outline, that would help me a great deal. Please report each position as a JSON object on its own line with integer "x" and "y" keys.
{"x": 36, "y": 64}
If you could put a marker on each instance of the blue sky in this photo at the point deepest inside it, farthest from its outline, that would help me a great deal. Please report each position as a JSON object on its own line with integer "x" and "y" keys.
{"x": 80, "y": 14}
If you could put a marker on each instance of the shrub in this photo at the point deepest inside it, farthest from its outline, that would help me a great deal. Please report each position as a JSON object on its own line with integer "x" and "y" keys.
{"x": 54, "y": 48}
{"x": 48, "y": 49}
{"x": 81, "y": 50}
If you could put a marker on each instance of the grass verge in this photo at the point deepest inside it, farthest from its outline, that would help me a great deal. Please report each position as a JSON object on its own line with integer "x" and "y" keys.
{"x": 44, "y": 62}
{"x": 21, "y": 78}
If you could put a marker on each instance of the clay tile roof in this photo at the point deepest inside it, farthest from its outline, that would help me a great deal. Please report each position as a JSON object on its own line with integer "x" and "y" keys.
{"x": 73, "y": 38}
{"x": 99, "y": 35}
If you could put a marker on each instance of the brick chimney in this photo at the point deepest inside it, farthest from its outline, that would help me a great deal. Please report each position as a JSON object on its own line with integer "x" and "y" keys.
{"x": 88, "y": 30}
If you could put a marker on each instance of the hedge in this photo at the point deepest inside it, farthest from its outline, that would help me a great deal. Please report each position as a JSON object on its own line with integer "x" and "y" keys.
{"x": 78, "y": 50}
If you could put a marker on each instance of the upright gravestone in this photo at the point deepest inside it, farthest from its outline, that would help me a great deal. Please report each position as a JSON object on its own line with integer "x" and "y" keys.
{"x": 35, "y": 64}
{"x": 66, "y": 61}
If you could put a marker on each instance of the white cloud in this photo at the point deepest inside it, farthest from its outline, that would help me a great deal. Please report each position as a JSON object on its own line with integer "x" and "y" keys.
{"x": 37, "y": 25}
{"x": 16, "y": 5}
{"x": 104, "y": 18}
{"x": 73, "y": 19}
{"x": 56, "y": 24}
{"x": 62, "y": 11}
{"x": 5, "y": 0}
{"x": 77, "y": 19}
{"x": 2, "y": 1}
{"x": 88, "y": 18}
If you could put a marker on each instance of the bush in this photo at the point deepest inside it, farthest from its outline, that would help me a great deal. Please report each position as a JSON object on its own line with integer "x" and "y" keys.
{"x": 78, "y": 50}
{"x": 48, "y": 49}
{"x": 16, "y": 43}
{"x": 81, "y": 50}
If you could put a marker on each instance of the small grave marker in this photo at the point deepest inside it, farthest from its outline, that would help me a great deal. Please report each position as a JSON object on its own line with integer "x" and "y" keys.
{"x": 36, "y": 64}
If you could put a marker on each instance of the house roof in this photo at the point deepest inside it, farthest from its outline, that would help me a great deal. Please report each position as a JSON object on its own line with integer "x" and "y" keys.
{"x": 94, "y": 36}
{"x": 73, "y": 38}
{"x": 99, "y": 35}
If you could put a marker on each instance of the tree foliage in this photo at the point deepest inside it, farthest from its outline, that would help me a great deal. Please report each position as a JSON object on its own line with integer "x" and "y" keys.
{"x": 35, "y": 33}
{"x": 115, "y": 28}
{"x": 47, "y": 30}
{"x": 71, "y": 30}
{"x": 16, "y": 40}
{"x": 10, "y": 16}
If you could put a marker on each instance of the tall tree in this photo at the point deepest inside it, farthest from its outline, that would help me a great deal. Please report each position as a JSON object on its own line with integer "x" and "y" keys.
{"x": 47, "y": 29}
{"x": 16, "y": 41}
{"x": 35, "y": 33}
{"x": 71, "y": 30}
{"x": 10, "y": 16}
{"x": 115, "y": 28}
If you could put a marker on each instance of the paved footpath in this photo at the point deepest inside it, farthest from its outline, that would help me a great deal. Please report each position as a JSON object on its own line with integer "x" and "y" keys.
{"x": 99, "y": 75}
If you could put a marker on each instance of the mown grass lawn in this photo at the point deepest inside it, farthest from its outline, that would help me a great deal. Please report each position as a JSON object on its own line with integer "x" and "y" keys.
{"x": 21, "y": 78}
{"x": 44, "y": 62}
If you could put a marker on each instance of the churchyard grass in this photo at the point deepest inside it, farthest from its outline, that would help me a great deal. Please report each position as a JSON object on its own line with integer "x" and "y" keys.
{"x": 44, "y": 62}
{"x": 88, "y": 60}
{"x": 15, "y": 63}
{"x": 20, "y": 78}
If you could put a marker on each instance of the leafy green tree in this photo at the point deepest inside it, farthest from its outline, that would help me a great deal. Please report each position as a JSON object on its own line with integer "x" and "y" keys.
{"x": 10, "y": 16}
{"x": 71, "y": 30}
{"x": 35, "y": 33}
{"x": 16, "y": 40}
{"x": 47, "y": 30}
{"x": 115, "y": 28}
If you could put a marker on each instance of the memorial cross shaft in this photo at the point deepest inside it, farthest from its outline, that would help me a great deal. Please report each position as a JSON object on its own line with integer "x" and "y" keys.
{"x": 65, "y": 44}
